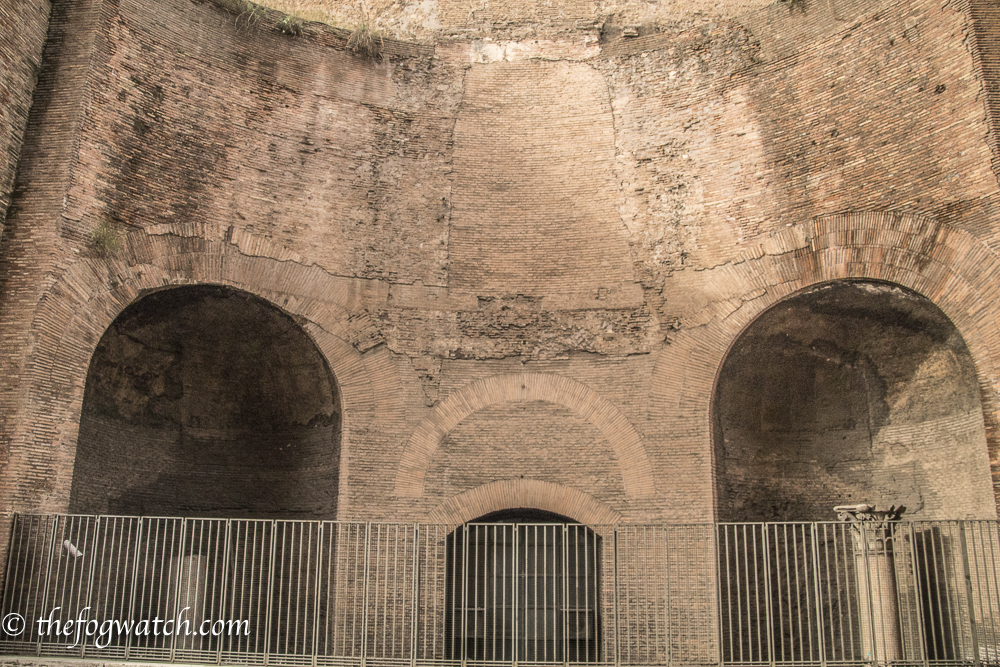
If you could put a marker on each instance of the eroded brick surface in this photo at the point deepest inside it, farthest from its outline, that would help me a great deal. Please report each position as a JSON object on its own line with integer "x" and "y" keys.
{"x": 523, "y": 246}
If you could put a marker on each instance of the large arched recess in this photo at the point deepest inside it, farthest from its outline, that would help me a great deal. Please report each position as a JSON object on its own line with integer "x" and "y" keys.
{"x": 848, "y": 392}
{"x": 207, "y": 401}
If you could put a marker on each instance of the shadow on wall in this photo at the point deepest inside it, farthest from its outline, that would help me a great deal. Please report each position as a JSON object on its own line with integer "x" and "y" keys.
{"x": 850, "y": 392}
{"x": 207, "y": 401}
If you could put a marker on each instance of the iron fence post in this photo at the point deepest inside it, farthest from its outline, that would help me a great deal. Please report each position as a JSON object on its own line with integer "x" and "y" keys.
{"x": 90, "y": 578}
{"x": 270, "y": 593}
{"x": 364, "y": 596}
{"x": 968, "y": 592}
{"x": 318, "y": 592}
{"x": 48, "y": 576}
{"x": 820, "y": 625}
{"x": 768, "y": 610}
{"x": 225, "y": 583}
{"x": 915, "y": 568}
{"x": 618, "y": 648}
{"x": 415, "y": 595}
{"x": 565, "y": 600}
{"x": 716, "y": 550}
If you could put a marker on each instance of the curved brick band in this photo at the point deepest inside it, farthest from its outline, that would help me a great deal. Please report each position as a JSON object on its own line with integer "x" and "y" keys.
{"x": 523, "y": 493}
{"x": 626, "y": 442}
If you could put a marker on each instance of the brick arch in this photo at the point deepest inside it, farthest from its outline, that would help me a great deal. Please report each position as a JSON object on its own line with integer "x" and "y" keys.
{"x": 622, "y": 436}
{"x": 85, "y": 299}
{"x": 950, "y": 267}
{"x": 523, "y": 493}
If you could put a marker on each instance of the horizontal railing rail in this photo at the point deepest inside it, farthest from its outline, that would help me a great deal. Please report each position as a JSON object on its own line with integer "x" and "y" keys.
{"x": 274, "y": 592}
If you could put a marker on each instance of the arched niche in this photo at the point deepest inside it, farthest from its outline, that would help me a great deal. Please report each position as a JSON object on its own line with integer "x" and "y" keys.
{"x": 207, "y": 401}
{"x": 523, "y": 585}
{"x": 850, "y": 392}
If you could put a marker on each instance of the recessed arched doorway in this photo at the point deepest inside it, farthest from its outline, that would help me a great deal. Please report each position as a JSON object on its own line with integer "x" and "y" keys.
{"x": 207, "y": 401}
{"x": 850, "y": 392}
{"x": 523, "y": 585}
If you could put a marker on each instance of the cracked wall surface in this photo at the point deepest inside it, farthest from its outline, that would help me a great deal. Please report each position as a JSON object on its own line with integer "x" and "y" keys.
{"x": 560, "y": 232}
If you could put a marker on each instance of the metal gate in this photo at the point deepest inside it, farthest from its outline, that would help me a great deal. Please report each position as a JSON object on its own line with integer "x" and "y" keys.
{"x": 524, "y": 592}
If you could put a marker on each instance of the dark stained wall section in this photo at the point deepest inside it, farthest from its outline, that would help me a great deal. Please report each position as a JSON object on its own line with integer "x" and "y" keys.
{"x": 206, "y": 401}
{"x": 850, "y": 393}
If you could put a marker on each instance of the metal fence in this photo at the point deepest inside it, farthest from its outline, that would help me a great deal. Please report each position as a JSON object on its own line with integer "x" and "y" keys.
{"x": 256, "y": 592}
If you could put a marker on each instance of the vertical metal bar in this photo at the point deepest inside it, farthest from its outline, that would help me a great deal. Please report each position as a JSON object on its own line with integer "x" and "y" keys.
{"x": 48, "y": 575}
{"x": 819, "y": 607}
{"x": 539, "y": 547}
{"x": 932, "y": 579}
{"x": 227, "y": 539}
{"x": 491, "y": 604}
{"x": 565, "y": 600}
{"x": 378, "y": 581}
{"x": 915, "y": 568}
{"x": 800, "y": 630}
{"x": 364, "y": 596}
{"x": 477, "y": 572}
{"x": 360, "y": 555}
{"x": 270, "y": 593}
{"x": 397, "y": 589}
{"x": 979, "y": 570}
{"x": 509, "y": 582}
{"x": 15, "y": 521}
{"x": 415, "y": 595}
{"x": 90, "y": 577}
{"x": 330, "y": 583}
{"x": 976, "y": 661}
{"x": 953, "y": 622}
{"x": 830, "y": 534}
{"x": 725, "y": 553}
{"x": 717, "y": 547}
{"x": 318, "y": 591}
{"x": 992, "y": 576}
{"x": 788, "y": 586}
{"x": 756, "y": 599}
{"x": 614, "y": 553}
{"x": 519, "y": 606}
{"x": 177, "y": 584}
{"x": 881, "y": 536}
{"x": 742, "y": 583}
{"x": 767, "y": 599}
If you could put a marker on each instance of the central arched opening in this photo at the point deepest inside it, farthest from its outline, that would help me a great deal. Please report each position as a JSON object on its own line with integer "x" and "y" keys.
{"x": 207, "y": 401}
{"x": 523, "y": 585}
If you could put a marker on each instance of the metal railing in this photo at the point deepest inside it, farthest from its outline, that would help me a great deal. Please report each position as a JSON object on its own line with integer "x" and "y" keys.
{"x": 256, "y": 592}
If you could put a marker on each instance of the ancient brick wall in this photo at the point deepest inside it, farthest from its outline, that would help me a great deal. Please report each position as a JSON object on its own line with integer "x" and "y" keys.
{"x": 23, "y": 26}
{"x": 521, "y": 250}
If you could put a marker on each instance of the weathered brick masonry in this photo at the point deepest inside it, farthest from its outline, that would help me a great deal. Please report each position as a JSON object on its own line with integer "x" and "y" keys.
{"x": 23, "y": 36}
{"x": 522, "y": 261}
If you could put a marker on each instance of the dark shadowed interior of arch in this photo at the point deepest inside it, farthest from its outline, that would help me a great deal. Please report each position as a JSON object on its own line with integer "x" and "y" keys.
{"x": 523, "y": 584}
{"x": 847, "y": 393}
{"x": 207, "y": 401}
